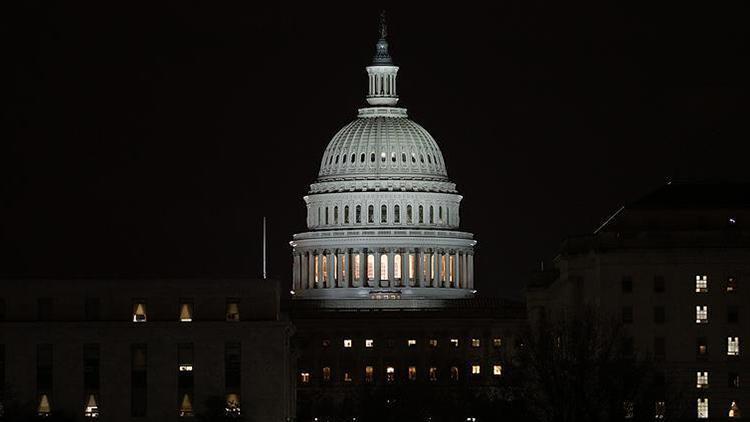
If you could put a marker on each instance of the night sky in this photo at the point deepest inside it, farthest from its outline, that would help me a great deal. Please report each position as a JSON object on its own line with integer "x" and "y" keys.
{"x": 149, "y": 140}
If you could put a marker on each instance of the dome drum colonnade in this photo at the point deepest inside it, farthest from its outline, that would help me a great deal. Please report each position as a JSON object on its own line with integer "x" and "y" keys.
{"x": 383, "y": 214}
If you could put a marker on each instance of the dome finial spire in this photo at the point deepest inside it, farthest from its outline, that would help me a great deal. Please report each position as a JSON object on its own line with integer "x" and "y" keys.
{"x": 382, "y": 57}
{"x": 383, "y": 25}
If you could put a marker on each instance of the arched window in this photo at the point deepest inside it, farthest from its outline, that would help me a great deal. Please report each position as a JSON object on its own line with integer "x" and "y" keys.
{"x": 396, "y": 214}
{"x": 382, "y": 157}
{"x": 447, "y": 215}
{"x": 326, "y": 215}
{"x": 320, "y": 214}
{"x": 403, "y": 157}
{"x": 358, "y": 214}
{"x": 336, "y": 215}
{"x": 409, "y": 219}
{"x": 370, "y": 214}
{"x": 393, "y": 157}
{"x": 429, "y": 160}
{"x": 421, "y": 158}
{"x": 440, "y": 215}
{"x": 432, "y": 215}
{"x": 421, "y": 214}
{"x": 362, "y": 158}
{"x": 413, "y": 158}
{"x": 383, "y": 214}
{"x": 354, "y": 156}
{"x": 344, "y": 159}
{"x": 337, "y": 159}
{"x": 346, "y": 214}
{"x": 372, "y": 157}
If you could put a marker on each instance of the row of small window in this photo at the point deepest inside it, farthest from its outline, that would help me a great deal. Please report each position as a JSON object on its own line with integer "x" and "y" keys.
{"x": 430, "y": 158}
{"x": 733, "y": 411}
{"x": 325, "y": 217}
{"x": 140, "y": 311}
{"x": 733, "y": 347}
{"x": 701, "y": 380}
{"x": 390, "y": 373}
{"x": 701, "y": 314}
{"x": 701, "y": 284}
{"x": 433, "y": 343}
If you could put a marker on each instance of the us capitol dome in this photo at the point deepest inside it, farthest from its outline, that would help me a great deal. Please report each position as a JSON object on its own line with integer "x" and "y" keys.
{"x": 383, "y": 216}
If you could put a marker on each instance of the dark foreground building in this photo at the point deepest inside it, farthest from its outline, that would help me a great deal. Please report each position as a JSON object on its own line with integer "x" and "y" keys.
{"x": 147, "y": 350}
{"x": 674, "y": 268}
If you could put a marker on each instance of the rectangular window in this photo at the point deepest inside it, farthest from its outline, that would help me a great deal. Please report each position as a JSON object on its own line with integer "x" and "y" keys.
{"x": 91, "y": 410}
{"x": 326, "y": 373}
{"x": 734, "y": 380}
{"x": 702, "y": 409}
{"x": 233, "y": 310}
{"x": 347, "y": 376}
{"x": 186, "y": 310}
{"x": 701, "y": 379}
{"x": 44, "y": 308}
{"x": 390, "y": 374}
{"x": 433, "y": 373}
{"x": 476, "y": 369}
{"x": 347, "y": 343}
{"x": 139, "y": 310}
{"x": 475, "y": 342}
{"x": 627, "y": 284}
{"x": 433, "y": 343}
{"x": 628, "y": 409}
{"x": 92, "y": 309}
{"x": 659, "y": 284}
{"x": 411, "y": 342}
{"x": 233, "y": 368}
{"x": 497, "y": 370}
{"x": 368, "y": 343}
{"x": 369, "y": 373}
{"x": 91, "y": 368}
{"x": 454, "y": 342}
{"x": 733, "y": 315}
{"x": 454, "y": 373}
{"x": 660, "y": 409}
{"x": 701, "y": 314}
{"x": 659, "y": 315}
{"x": 701, "y": 283}
{"x": 733, "y": 346}
{"x": 702, "y": 346}
{"x": 731, "y": 284}
{"x": 138, "y": 383}
{"x": 660, "y": 348}
{"x": 627, "y": 314}
{"x": 44, "y": 369}
{"x": 412, "y": 373}
{"x": 497, "y": 342}
{"x": 304, "y": 377}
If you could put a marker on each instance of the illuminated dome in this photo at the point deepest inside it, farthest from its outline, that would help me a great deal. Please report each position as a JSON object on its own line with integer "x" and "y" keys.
{"x": 383, "y": 217}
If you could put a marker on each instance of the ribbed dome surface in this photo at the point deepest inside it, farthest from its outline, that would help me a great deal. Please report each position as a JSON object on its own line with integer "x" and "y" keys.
{"x": 382, "y": 142}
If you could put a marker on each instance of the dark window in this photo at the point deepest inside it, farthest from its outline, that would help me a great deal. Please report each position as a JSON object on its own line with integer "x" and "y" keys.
{"x": 232, "y": 367}
{"x": 732, "y": 284}
{"x": 627, "y": 346}
{"x": 733, "y": 315}
{"x": 660, "y": 349}
{"x": 659, "y": 284}
{"x": 91, "y": 368}
{"x": 627, "y": 314}
{"x": 92, "y": 309}
{"x": 233, "y": 309}
{"x": 627, "y": 284}
{"x": 701, "y": 346}
{"x": 734, "y": 380}
{"x": 326, "y": 343}
{"x": 138, "y": 384}
{"x": 44, "y": 308}
{"x": 44, "y": 369}
{"x": 390, "y": 343}
{"x": 659, "y": 315}
{"x": 2, "y": 309}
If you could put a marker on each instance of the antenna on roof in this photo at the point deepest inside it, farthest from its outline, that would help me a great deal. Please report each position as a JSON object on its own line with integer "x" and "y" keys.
{"x": 265, "y": 275}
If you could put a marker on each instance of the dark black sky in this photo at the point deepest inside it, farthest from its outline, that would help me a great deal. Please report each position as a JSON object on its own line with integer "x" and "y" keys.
{"x": 149, "y": 139}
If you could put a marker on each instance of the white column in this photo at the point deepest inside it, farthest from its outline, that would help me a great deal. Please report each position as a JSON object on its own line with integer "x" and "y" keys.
{"x": 331, "y": 268}
{"x": 471, "y": 271}
{"x": 419, "y": 268}
{"x": 427, "y": 269}
{"x": 376, "y": 269}
{"x": 362, "y": 268}
{"x": 405, "y": 254}
{"x": 438, "y": 269}
{"x": 457, "y": 270}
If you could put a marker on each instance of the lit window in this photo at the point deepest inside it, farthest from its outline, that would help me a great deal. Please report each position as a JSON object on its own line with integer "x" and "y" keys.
{"x": 186, "y": 406}
{"x": 628, "y": 409}
{"x": 43, "y": 409}
{"x": 304, "y": 377}
{"x": 357, "y": 268}
{"x": 326, "y": 373}
{"x": 454, "y": 342}
{"x": 92, "y": 408}
{"x": 701, "y": 283}
{"x": 659, "y": 410}
{"x": 347, "y": 343}
{"x": 497, "y": 342}
{"x": 702, "y": 409}
{"x": 233, "y": 310}
{"x": 232, "y": 408}
{"x": 382, "y": 157}
{"x": 411, "y": 342}
{"x": 497, "y": 370}
{"x": 139, "y": 311}
{"x": 734, "y": 410}
{"x": 702, "y": 344}
{"x": 186, "y": 312}
{"x": 701, "y": 314}
{"x": 397, "y": 266}
{"x": 731, "y": 284}
{"x": 371, "y": 267}
{"x": 369, "y": 373}
{"x": 369, "y": 342}
{"x": 390, "y": 374}
{"x": 476, "y": 369}
{"x": 433, "y": 342}
{"x": 475, "y": 342}
{"x": 347, "y": 376}
{"x": 454, "y": 373}
{"x": 412, "y": 373}
{"x": 733, "y": 346}
{"x": 701, "y": 379}
{"x": 384, "y": 267}
{"x": 433, "y": 373}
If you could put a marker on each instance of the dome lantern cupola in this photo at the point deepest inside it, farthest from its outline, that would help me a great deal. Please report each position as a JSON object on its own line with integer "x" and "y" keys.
{"x": 382, "y": 72}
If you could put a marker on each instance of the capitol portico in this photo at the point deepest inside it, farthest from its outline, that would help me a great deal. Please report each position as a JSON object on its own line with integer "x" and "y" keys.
{"x": 383, "y": 216}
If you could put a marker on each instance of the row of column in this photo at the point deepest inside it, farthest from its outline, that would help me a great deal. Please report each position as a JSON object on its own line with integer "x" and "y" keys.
{"x": 383, "y": 268}
{"x": 382, "y": 85}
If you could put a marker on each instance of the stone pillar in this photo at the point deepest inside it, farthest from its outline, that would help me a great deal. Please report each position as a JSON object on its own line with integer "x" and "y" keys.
{"x": 362, "y": 268}
{"x": 391, "y": 269}
{"x": 310, "y": 269}
{"x": 331, "y": 269}
{"x": 438, "y": 269}
{"x": 457, "y": 270}
{"x": 376, "y": 269}
{"x": 341, "y": 281}
{"x": 320, "y": 282}
{"x": 471, "y": 271}
{"x": 295, "y": 271}
{"x": 405, "y": 254}
{"x": 419, "y": 268}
